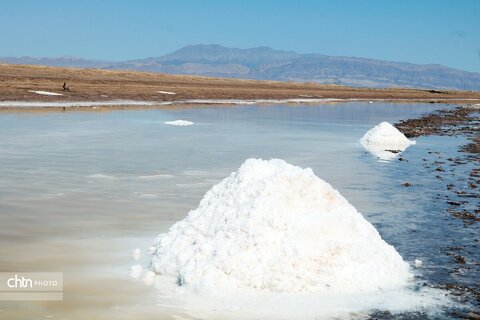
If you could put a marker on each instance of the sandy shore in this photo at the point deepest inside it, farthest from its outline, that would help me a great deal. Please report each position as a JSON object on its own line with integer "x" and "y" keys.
{"x": 91, "y": 88}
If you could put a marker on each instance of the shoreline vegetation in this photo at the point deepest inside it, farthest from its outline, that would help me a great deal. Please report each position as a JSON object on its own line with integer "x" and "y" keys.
{"x": 42, "y": 88}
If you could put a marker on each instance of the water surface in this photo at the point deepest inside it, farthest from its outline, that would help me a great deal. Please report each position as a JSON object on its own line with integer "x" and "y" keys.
{"x": 80, "y": 190}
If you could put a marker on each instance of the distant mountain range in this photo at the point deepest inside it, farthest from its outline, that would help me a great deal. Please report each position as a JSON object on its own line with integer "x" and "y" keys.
{"x": 269, "y": 64}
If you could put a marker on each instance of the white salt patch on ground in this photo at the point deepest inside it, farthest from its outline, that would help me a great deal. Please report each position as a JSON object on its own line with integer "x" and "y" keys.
{"x": 69, "y": 104}
{"x": 385, "y": 141}
{"x": 167, "y": 92}
{"x": 45, "y": 93}
{"x": 262, "y": 101}
{"x": 181, "y": 123}
{"x": 72, "y": 104}
{"x": 274, "y": 227}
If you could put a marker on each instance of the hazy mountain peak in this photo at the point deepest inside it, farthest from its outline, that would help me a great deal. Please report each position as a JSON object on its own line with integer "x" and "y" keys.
{"x": 218, "y": 53}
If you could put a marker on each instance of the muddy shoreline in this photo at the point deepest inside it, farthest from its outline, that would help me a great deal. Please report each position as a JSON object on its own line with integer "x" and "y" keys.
{"x": 463, "y": 121}
{"x": 461, "y": 178}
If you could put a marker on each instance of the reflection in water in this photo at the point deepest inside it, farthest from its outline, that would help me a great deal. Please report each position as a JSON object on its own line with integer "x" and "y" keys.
{"x": 80, "y": 191}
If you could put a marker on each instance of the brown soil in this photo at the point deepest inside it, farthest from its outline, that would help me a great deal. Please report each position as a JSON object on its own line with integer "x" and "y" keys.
{"x": 99, "y": 85}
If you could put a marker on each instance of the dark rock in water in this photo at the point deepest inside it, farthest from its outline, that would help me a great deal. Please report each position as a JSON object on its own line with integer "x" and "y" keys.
{"x": 475, "y": 173}
{"x": 473, "y": 316}
{"x": 406, "y": 184}
{"x": 453, "y": 203}
{"x": 393, "y": 151}
{"x": 469, "y": 195}
{"x": 460, "y": 259}
{"x": 439, "y": 169}
{"x": 473, "y": 147}
{"x": 468, "y": 218}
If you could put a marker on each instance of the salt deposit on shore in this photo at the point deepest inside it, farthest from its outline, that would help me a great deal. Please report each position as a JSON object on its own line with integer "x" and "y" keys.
{"x": 274, "y": 227}
{"x": 385, "y": 141}
{"x": 45, "y": 93}
{"x": 75, "y": 104}
{"x": 167, "y": 92}
{"x": 179, "y": 123}
{"x": 113, "y": 103}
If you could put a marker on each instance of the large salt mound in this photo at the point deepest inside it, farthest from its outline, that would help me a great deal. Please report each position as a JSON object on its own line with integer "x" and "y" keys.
{"x": 273, "y": 226}
{"x": 385, "y": 141}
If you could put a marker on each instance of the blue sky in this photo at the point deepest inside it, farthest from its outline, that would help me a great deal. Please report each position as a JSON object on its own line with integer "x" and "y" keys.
{"x": 445, "y": 32}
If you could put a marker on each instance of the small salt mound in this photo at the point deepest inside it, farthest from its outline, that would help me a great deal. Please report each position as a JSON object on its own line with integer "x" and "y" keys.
{"x": 46, "y": 93}
{"x": 167, "y": 92}
{"x": 385, "y": 141}
{"x": 276, "y": 227}
{"x": 179, "y": 123}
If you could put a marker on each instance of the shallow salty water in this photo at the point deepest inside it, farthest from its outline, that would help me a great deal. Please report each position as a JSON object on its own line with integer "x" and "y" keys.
{"x": 80, "y": 190}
